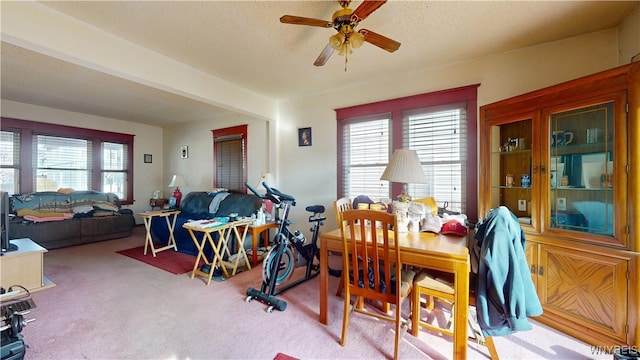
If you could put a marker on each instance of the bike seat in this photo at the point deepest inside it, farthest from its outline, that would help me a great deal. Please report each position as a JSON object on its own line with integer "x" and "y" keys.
{"x": 316, "y": 209}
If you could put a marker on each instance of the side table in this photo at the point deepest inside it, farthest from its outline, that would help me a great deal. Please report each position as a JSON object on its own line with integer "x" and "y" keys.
{"x": 148, "y": 216}
{"x": 206, "y": 238}
{"x": 160, "y": 203}
{"x": 256, "y": 233}
{"x": 225, "y": 231}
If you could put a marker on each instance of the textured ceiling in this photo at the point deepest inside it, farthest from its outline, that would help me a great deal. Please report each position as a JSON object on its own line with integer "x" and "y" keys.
{"x": 244, "y": 43}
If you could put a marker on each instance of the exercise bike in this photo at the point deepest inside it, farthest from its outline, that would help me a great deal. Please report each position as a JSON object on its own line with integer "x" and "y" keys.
{"x": 288, "y": 252}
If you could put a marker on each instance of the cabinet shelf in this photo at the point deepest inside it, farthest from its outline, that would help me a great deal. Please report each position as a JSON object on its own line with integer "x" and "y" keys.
{"x": 582, "y": 188}
{"x": 510, "y": 187}
{"x": 582, "y": 149}
{"x": 514, "y": 152}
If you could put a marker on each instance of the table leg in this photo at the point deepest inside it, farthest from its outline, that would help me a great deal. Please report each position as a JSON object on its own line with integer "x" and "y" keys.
{"x": 148, "y": 241}
{"x": 254, "y": 246}
{"x": 241, "y": 251}
{"x": 324, "y": 282}
{"x": 199, "y": 246}
{"x": 461, "y": 301}
{"x": 217, "y": 255}
{"x": 171, "y": 225}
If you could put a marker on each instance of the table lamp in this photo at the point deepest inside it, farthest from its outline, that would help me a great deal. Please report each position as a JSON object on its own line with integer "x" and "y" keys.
{"x": 404, "y": 167}
{"x": 267, "y": 177}
{"x": 177, "y": 181}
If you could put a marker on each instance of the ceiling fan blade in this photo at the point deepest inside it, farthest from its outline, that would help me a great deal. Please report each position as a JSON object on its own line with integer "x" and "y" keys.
{"x": 324, "y": 56}
{"x": 380, "y": 41}
{"x": 298, "y": 20}
{"x": 366, "y": 8}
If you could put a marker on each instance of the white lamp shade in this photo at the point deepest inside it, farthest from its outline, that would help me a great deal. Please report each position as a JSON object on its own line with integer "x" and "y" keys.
{"x": 268, "y": 178}
{"x": 404, "y": 167}
{"x": 177, "y": 181}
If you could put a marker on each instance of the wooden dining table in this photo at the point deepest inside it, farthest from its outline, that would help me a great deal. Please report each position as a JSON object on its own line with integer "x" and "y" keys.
{"x": 420, "y": 249}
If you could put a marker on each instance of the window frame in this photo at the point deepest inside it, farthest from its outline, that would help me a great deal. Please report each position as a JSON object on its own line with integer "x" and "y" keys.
{"x": 29, "y": 128}
{"x": 397, "y": 107}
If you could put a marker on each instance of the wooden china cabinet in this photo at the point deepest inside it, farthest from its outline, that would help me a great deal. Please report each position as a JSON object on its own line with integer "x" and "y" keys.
{"x": 564, "y": 160}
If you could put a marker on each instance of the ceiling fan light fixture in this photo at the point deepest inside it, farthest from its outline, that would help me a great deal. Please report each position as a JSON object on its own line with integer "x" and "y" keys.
{"x": 356, "y": 39}
{"x": 336, "y": 41}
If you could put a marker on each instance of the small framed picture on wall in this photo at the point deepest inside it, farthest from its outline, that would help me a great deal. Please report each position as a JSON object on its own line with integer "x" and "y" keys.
{"x": 148, "y": 158}
{"x": 304, "y": 136}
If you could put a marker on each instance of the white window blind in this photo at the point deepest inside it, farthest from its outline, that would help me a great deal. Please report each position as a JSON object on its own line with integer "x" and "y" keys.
{"x": 61, "y": 163}
{"x": 9, "y": 161}
{"x": 439, "y": 134}
{"x": 366, "y": 154}
{"x": 114, "y": 168}
{"x": 230, "y": 163}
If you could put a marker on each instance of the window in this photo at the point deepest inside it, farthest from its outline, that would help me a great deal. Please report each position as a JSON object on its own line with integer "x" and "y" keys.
{"x": 9, "y": 161}
{"x": 61, "y": 163}
{"x": 230, "y": 153}
{"x": 438, "y": 135}
{"x": 440, "y": 126}
{"x": 50, "y": 157}
{"x": 366, "y": 143}
{"x": 114, "y": 168}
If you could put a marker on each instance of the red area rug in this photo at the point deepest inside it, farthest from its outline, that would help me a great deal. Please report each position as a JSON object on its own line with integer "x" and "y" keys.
{"x": 168, "y": 260}
{"x": 281, "y": 356}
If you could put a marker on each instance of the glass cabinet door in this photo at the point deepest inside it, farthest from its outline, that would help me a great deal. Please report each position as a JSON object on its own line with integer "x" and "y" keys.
{"x": 581, "y": 169}
{"x": 510, "y": 176}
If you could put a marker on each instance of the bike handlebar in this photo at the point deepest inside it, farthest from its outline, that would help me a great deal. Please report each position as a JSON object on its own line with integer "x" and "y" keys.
{"x": 254, "y": 191}
{"x": 272, "y": 194}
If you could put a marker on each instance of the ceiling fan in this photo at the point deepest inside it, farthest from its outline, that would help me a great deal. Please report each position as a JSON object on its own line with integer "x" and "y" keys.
{"x": 344, "y": 22}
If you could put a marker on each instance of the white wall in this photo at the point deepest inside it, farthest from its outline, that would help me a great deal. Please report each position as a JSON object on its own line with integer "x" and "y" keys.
{"x": 148, "y": 140}
{"x": 309, "y": 173}
{"x": 629, "y": 35}
{"x": 197, "y": 169}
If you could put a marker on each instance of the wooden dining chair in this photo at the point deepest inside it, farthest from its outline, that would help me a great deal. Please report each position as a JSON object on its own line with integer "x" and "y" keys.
{"x": 341, "y": 205}
{"x": 373, "y": 269}
{"x": 436, "y": 285}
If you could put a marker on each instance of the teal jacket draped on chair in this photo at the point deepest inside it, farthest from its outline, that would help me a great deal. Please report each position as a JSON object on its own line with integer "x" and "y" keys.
{"x": 505, "y": 291}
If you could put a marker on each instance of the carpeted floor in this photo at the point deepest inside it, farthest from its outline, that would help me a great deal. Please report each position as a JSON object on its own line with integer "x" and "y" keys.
{"x": 106, "y": 306}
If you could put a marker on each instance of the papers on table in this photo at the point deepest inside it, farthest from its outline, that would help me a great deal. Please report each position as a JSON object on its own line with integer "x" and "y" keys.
{"x": 204, "y": 224}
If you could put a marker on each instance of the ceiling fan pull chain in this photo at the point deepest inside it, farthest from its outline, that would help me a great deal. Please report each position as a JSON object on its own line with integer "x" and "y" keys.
{"x": 345, "y": 61}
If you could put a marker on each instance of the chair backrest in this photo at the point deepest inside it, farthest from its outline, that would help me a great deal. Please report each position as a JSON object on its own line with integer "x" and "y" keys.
{"x": 372, "y": 270}
{"x": 341, "y": 205}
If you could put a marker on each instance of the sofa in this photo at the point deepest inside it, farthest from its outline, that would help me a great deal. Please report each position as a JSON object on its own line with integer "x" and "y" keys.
{"x": 204, "y": 205}
{"x": 61, "y": 219}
